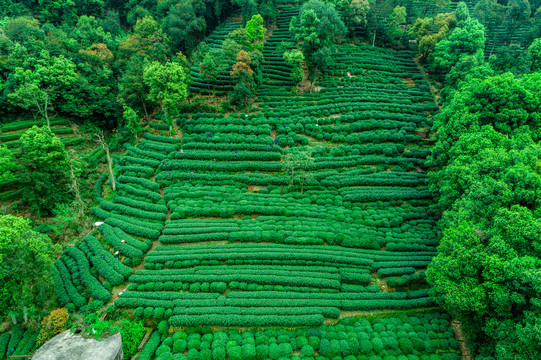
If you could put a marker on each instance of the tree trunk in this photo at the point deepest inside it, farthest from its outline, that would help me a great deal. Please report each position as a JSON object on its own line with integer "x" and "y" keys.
{"x": 45, "y": 111}
{"x": 101, "y": 140}
{"x": 75, "y": 187}
{"x": 110, "y": 163}
{"x": 377, "y": 9}
{"x": 169, "y": 122}
{"x": 144, "y": 107}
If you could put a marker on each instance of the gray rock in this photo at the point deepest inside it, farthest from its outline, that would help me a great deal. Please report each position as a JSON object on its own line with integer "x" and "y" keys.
{"x": 68, "y": 346}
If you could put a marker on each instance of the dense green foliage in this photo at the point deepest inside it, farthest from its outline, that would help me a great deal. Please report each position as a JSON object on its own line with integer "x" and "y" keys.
{"x": 317, "y": 24}
{"x": 131, "y": 331}
{"x": 26, "y": 257}
{"x": 44, "y": 172}
{"x": 486, "y": 179}
{"x": 488, "y": 186}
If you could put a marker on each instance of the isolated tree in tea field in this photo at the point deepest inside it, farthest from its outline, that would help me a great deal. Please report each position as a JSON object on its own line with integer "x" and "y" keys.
{"x": 294, "y": 58}
{"x": 242, "y": 74}
{"x": 133, "y": 122}
{"x": 255, "y": 32}
{"x": 296, "y": 166}
{"x": 208, "y": 69}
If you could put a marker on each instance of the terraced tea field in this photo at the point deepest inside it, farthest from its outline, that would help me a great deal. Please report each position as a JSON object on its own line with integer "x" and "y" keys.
{"x": 224, "y": 226}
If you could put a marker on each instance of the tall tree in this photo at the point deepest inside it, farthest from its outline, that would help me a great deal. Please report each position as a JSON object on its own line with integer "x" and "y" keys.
{"x": 249, "y": 38}
{"x": 535, "y": 30}
{"x": 462, "y": 13}
{"x": 511, "y": 58}
{"x": 48, "y": 83}
{"x": 185, "y": 24}
{"x": 355, "y": 13}
{"x": 331, "y": 26}
{"x": 248, "y": 8}
{"x": 132, "y": 88}
{"x": 490, "y": 13}
{"x": 243, "y": 75}
{"x": 57, "y": 11}
{"x": 147, "y": 41}
{"x": 89, "y": 32}
{"x": 255, "y": 32}
{"x": 534, "y": 52}
{"x": 45, "y": 169}
{"x": 295, "y": 58}
{"x": 518, "y": 11}
{"x": 133, "y": 122}
{"x": 257, "y": 59}
{"x": 379, "y": 10}
{"x": 426, "y": 38}
{"x": 208, "y": 69}
{"x": 268, "y": 10}
{"x": 26, "y": 259}
{"x": 506, "y": 103}
{"x": 485, "y": 180}
{"x": 489, "y": 254}
{"x": 467, "y": 38}
{"x": 469, "y": 67}
{"x": 517, "y": 14}
{"x": 397, "y": 17}
{"x": 305, "y": 30}
{"x": 424, "y": 6}
{"x": 319, "y": 23}
{"x": 168, "y": 85}
{"x": 100, "y": 139}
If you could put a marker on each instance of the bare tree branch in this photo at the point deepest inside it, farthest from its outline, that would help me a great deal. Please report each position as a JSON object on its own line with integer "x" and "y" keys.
{"x": 100, "y": 139}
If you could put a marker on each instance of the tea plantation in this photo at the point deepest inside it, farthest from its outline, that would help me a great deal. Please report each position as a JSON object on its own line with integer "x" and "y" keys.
{"x": 221, "y": 228}
{"x": 272, "y": 179}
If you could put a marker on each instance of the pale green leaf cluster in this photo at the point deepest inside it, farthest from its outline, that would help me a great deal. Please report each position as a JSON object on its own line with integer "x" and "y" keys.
{"x": 167, "y": 84}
